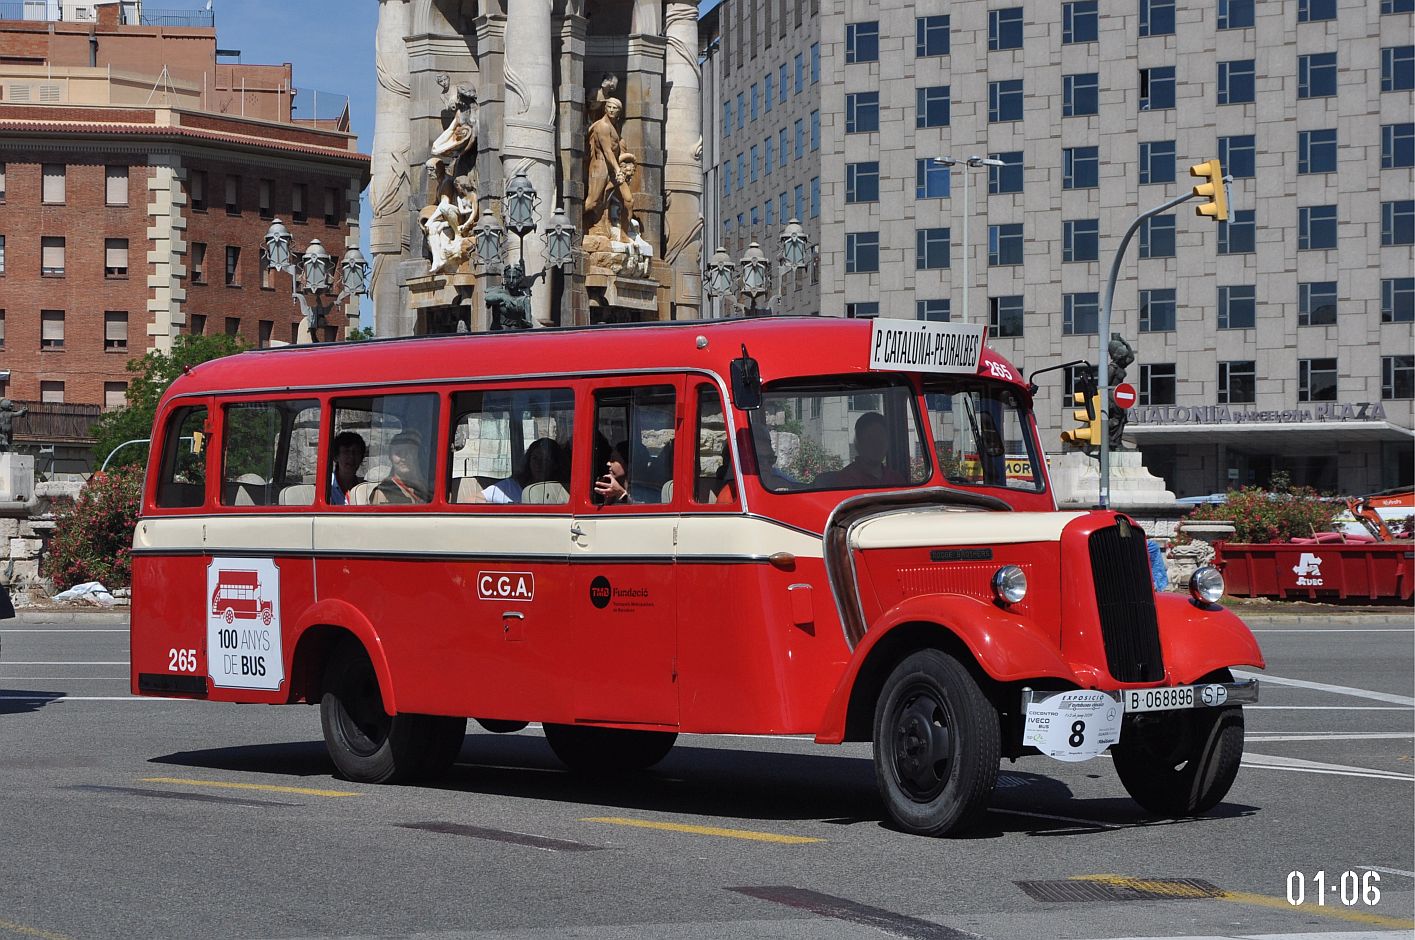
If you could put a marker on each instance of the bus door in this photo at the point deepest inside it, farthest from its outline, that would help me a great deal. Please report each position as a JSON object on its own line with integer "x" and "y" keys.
{"x": 624, "y": 647}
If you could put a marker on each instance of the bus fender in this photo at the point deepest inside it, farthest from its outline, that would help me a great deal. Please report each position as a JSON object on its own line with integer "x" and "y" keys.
{"x": 1196, "y": 640}
{"x": 1002, "y": 647}
{"x": 345, "y": 616}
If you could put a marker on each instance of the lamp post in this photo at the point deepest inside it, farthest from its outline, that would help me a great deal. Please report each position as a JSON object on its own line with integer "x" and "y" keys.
{"x": 319, "y": 284}
{"x": 509, "y": 304}
{"x": 721, "y": 277}
{"x": 972, "y": 163}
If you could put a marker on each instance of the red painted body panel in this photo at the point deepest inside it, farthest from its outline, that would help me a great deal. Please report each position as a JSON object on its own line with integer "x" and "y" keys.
{"x": 1196, "y": 640}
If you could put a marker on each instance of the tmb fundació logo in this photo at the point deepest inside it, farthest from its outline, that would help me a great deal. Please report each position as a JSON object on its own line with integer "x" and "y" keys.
{"x": 600, "y": 592}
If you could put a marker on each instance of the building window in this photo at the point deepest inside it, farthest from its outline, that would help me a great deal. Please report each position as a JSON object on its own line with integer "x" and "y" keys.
{"x": 264, "y": 329}
{"x": 1316, "y": 151}
{"x": 936, "y": 309}
{"x": 51, "y": 393}
{"x": 800, "y": 203}
{"x": 1005, "y": 101}
{"x": 1398, "y": 300}
{"x": 1316, "y": 75}
{"x": 299, "y": 197}
{"x": 741, "y": 171}
{"x": 815, "y": 196}
{"x": 1081, "y": 167}
{"x": 1237, "y": 382}
{"x": 931, "y": 36}
{"x": 1316, "y": 380}
{"x": 1235, "y": 14}
{"x": 862, "y": 182}
{"x": 1238, "y": 236}
{"x": 1157, "y": 237}
{"x": 931, "y": 249}
{"x": 1157, "y": 383}
{"x": 815, "y": 130}
{"x": 1005, "y": 315}
{"x": 1316, "y": 228}
{"x": 800, "y": 73}
{"x": 233, "y": 266}
{"x": 1235, "y": 81}
{"x": 115, "y": 185}
{"x": 115, "y": 330}
{"x": 2, "y": 182}
{"x": 756, "y": 96}
{"x": 770, "y": 208}
{"x": 1005, "y": 244}
{"x": 52, "y": 192}
{"x": 756, "y": 216}
{"x": 768, "y": 91}
{"x": 1397, "y": 377}
{"x": 196, "y": 184}
{"x": 1310, "y": 11}
{"x": 1079, "y": 22}
{"x": 233, "y": 326}
{"x": 1398, "y": 68}
{"x": 1316, "y": 303}
{"x": 233, "y": 195}
{"x": 815, "y": 62}
{"x": 727, "y": 118}
{"x": 862, "y": 310}
{"x": 768, "y": 154}
{"x": 1080, "y": 239}
{"x": 115, "y": 395}
{"x": 51, "y": 329}
{"x": 756, "y": 162}
{"x": 1398, "y": 222}
{"x": 1157, "y": 88}
{"x": 1008, "y": 177}
{"x": 1005, "y": 29}
{"x": 331, "y": 206}
{"x": 931, "y": 106}
{"x": 1157, "y": 159}
{"x": 1237, "y": 307}
{"x": 1080, "y": 94}
{"x": 782, "y": 84}
{"x": 115, "y": 257}
{"x": 1156, "y": 17}
{"x": 861, "y": 252}
{"x": 783, "y": 150}
{"x": 1080, "y": 313}
{"x": 51, "y": 256}
{"x": 1397, "y": 146}
{"x": 1238, "y": 154}
{"x": 862, "y": 42}
{"x": 1157, "y": 309}
{"x": 861, "y": 114}
{"x": 198, "y": 327}
{"x": 1395, "y": 6}
{"x": 781, "y": 208}
{"x": 931, "y": 179}
{"x": 198, "y": 262}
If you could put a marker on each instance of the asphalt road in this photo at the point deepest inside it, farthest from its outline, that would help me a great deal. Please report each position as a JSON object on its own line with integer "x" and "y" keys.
{"x": 124, "y": 817}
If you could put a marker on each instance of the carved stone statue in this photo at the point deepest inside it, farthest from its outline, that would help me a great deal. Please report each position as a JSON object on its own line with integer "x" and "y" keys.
{"x": 510, "y": 303}
{"x": 459, "y": 135}
{"x": 608, "y": 88}
{"x": 602, "y": 154}
{"x": 449, "y": 218}
{"x": 8, "y": 414}
{"x": 1122, "y": 354}
{"x": 638, "y": 257}
{"x": 622, "y": 196}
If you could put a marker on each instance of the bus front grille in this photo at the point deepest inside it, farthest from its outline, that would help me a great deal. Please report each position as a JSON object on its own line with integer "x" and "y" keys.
{"x": 1125, "y": 600}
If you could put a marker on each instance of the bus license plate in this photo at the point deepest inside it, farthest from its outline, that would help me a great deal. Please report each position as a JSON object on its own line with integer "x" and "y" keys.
{"x": 1159, "y": 700}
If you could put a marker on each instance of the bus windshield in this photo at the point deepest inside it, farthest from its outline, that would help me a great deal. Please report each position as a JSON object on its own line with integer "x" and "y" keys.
{"x": 839, "y": 433}
{"x": 981, "y": 434}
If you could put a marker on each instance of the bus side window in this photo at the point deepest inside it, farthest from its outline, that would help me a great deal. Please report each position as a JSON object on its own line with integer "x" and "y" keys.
{"x": 511, "y": 446}
{"x": 398, "y": 434}
{"x": 632, "y": 462}
{"x": 269, "y": 453}
{"x": 183, "y": 481}
{"x": 714, "y": 476}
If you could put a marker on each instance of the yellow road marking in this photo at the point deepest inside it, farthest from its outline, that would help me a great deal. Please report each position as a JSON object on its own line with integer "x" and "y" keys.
{"x": 264, "y": 787}
{"x": 703, "y": 830}
{"x": 1174, "y": 890}
{"x": 11, "y": 927}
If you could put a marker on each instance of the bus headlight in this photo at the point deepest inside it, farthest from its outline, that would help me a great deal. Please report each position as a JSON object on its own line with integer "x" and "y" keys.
{"x": 1206, "y": 584}
{"x": 1009, "y": 584}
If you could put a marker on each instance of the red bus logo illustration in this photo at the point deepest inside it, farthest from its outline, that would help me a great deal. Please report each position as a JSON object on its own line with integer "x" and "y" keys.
{"x": 237, "y": 595}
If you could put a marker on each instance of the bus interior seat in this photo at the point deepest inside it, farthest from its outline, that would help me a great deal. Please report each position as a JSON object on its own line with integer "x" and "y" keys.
{"x": 361, "y": 493}
{"x": 298, "y": 494}
{"x": 666, "y": 494}
{"x": 248, "y": 489}
{"x": 468, "y": 490}
{"x": 549, "y": 493}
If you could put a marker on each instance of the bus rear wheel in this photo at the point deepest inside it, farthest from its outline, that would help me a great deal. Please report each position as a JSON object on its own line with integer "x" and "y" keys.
{"x": 608, "y": 750}
{"x": 371, "y": 746}
{"x": 1180, "y": 763}
{"x": 937, "y": 745}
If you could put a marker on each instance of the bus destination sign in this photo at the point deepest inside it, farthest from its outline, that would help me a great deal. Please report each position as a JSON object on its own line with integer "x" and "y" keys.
{"x": 925, "y": 346}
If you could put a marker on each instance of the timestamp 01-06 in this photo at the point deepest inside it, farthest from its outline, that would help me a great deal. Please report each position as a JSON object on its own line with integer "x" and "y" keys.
{"x": 1349, "y": 887}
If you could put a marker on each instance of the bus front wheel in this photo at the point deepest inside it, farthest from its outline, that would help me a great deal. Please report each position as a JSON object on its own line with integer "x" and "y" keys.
{"x": 1180, "y": 763}
{"x": 937, "y": 745}
{"x": 608, "y": 750}
{"x": 371, "y": 746}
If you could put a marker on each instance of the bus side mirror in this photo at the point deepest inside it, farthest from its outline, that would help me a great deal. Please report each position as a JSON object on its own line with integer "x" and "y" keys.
{"x": 746, "y": 382}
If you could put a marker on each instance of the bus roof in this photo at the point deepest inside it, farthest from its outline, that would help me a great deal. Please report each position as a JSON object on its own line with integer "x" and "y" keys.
{"x": 784, "y": 347}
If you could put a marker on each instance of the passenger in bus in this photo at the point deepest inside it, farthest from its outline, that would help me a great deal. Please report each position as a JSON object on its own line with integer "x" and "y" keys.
{"x": 871, "y": 448}
{"x": 612, "y": 488}
{"x": 349, "y": 451}
{"x": 540, "y": 465}
{"x": 407, "y": 482}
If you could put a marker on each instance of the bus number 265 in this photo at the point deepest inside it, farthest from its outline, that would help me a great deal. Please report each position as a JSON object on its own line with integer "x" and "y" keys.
{"x": 182, "y": 660}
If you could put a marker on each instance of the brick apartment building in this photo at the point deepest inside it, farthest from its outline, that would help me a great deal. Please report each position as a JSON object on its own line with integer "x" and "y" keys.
{"x": 137, "y": 179}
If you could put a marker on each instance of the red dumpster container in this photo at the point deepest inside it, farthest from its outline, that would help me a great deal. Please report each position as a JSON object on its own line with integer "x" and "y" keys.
{"x": 1373, "y": 571}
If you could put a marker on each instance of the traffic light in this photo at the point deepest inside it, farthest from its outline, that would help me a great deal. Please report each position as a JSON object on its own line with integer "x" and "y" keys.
{"x": 1213, "y": 190}
{"x": 1089, "y": 419}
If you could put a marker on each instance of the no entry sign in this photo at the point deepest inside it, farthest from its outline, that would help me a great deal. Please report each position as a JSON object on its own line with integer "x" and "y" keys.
{"x": 1125, "y": 395}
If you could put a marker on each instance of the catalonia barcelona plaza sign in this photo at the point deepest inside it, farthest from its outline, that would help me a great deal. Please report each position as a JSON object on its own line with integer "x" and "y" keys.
{"x": 1223, "y": 414}
{"x": 925, "y": 346}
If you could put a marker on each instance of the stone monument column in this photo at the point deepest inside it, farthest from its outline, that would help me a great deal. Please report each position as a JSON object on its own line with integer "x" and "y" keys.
{"x": 390, "y": 187}
{"x": 683, "y": 174}
{"x": 529, "y": 121}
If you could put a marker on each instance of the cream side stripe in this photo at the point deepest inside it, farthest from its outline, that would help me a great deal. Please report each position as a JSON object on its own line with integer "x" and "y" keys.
{"x": 934, "y": 527}
{"x": 270, "y": 533}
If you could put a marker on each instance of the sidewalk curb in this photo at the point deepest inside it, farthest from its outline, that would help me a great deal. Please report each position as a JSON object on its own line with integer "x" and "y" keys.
{"x": 1365, "y": 620}
{"x": 91, "y": 615}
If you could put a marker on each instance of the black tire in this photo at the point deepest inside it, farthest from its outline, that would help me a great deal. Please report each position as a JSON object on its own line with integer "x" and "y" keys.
{"x": 608, "y": 750}
{"x": 369, "y": 745}
{"x": 937, "y": 745}
{"x": 1180, "y": 763}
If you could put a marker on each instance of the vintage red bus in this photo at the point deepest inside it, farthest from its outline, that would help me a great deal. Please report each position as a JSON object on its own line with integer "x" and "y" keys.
{"x": 786, "y": 526}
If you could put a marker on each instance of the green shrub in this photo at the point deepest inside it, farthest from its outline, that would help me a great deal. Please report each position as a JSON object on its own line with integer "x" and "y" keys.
{"x": 93, "y": 536}
{"x": 1279, "y": 515}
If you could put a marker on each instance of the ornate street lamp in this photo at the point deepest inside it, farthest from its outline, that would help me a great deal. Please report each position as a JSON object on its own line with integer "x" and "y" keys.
{"x": 756, "y": 271}
{"x": 277, "y": 246}
{"x": 721, "y": 278}
{"x": 317, "y": 268}
{"x": 318, "y": 283}
{"x": 519, "y": 205}
{"x": 559, "y": 240}
{"x": 490, "y": 239}
{"x": 795, "y": 247}
{"x": 354, "y": 273}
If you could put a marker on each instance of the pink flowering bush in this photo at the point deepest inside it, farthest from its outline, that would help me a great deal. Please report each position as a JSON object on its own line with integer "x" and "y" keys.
{"x": 93, "y": 536}
{"x": 1277, "y": 515}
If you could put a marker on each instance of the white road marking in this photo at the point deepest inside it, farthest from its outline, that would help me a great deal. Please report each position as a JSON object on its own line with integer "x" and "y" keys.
{"x": 1273, "y": 762}
{"x": 22, "y": 630}
{"x": 1091, "y": 823}
{"x": 1332, "y": 708}
{"x": 1264, "y": 678}
{"x": 1339, "y": 630}
{"x": 1388, "y": 871}
{"x": 1266, "y": 736}
{"x": 87, "y": 698}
